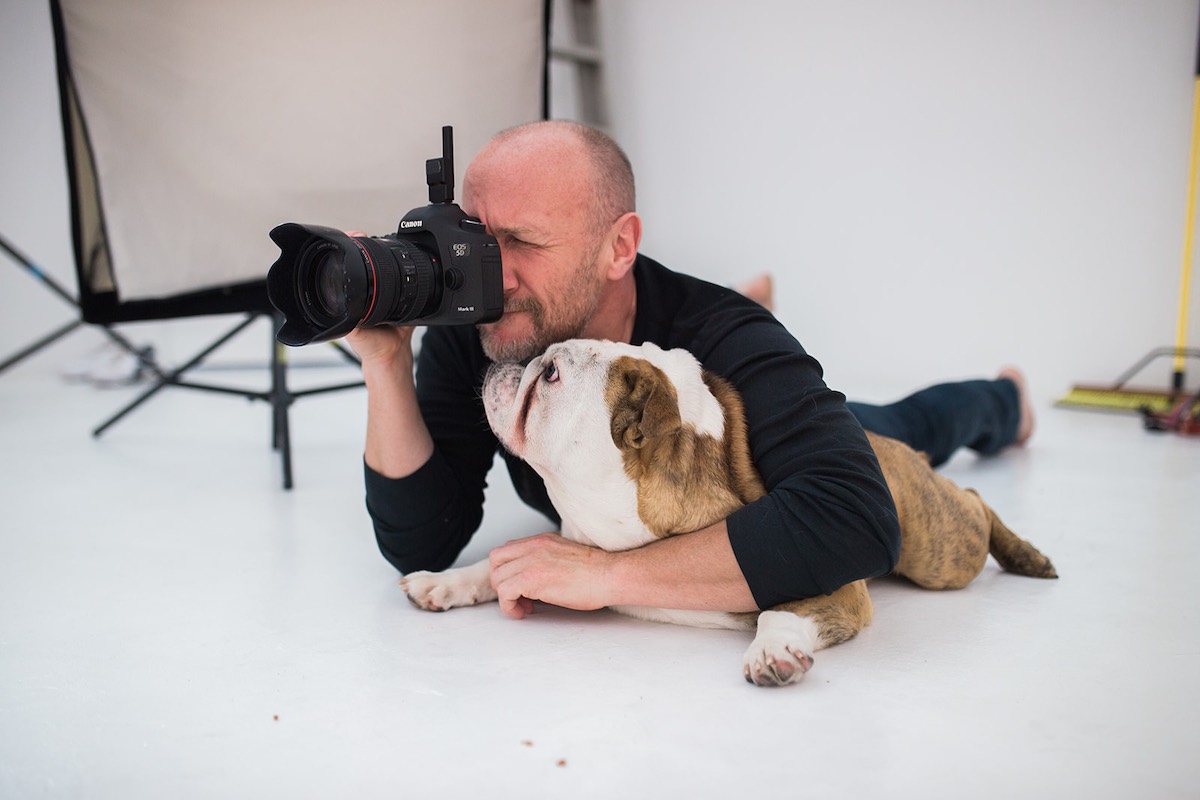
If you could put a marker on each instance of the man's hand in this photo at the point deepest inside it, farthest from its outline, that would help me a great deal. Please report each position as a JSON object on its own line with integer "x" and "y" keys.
{"x": 552, "y": 569}
{"x": 382, "y": 346}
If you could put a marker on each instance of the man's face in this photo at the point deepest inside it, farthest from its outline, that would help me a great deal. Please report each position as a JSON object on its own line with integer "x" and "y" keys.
{"x": 536, "y": 205}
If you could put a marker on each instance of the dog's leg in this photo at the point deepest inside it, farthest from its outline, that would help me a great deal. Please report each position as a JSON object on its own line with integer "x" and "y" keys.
{"x": 789, "y": 634}
{"x": 782, "y": 649}
{"x": 440, "y": 591}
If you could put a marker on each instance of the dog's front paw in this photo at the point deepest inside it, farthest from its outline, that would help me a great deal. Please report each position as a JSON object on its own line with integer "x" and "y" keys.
{"x": 775, "y": 665}
{"x": 431, "y": 591}
{"x": 781, "y": 651}
{"x": 441, "y": 591}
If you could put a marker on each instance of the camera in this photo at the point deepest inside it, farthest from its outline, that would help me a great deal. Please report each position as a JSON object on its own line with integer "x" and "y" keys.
{"x": 440, "y": 268}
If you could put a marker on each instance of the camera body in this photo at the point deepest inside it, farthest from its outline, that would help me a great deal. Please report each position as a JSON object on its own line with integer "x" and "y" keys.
{"x": 440, "y": 268}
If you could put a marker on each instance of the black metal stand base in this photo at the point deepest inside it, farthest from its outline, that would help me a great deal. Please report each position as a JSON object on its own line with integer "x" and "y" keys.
{"x": 279, "y": 396}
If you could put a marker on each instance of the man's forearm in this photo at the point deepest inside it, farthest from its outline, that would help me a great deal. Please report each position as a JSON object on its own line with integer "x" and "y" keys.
{"x": 695, "y": 571}
{"x": 398, "y": 442}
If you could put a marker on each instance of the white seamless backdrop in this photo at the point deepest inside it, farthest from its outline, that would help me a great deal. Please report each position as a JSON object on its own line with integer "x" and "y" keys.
{"x": 940, "y": 187}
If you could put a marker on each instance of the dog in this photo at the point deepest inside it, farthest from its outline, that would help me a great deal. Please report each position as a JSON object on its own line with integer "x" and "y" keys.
{"x": 636, "y": 443}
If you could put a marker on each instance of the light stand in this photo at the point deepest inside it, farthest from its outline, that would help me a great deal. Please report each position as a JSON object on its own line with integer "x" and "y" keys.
{"x": 46, "y": 280}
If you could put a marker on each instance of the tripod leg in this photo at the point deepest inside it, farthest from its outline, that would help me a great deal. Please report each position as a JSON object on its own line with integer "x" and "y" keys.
{"x": 285, "y": 450}
{"x": 172, "y": 378}
{"x": 40, "y": 343}
{"x": 143, "y": 397}
{"x": 280, "y": 401}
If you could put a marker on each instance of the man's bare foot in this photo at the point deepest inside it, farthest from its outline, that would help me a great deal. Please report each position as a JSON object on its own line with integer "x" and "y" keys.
{"x": 1025, "y": 426}
{"x": 760, "y": 290}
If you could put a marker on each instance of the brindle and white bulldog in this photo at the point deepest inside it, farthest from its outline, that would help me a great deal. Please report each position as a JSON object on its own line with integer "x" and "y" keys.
{"x": 638, "y": 443}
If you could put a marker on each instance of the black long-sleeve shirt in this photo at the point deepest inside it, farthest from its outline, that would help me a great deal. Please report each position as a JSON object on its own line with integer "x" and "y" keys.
{"x": 827, "y": 519}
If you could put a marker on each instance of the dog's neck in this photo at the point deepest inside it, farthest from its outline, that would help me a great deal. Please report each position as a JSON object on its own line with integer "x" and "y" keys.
{"x": 602, "y": 512}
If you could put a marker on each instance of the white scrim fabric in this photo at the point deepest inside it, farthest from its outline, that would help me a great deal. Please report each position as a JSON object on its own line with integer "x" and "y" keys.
{"x": 212, "y": 121}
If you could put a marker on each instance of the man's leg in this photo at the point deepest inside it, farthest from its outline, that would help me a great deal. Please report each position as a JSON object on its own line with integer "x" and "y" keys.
{"x": 986, "y": 416}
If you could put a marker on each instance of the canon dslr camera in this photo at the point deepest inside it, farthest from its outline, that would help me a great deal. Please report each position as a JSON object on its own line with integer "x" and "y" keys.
{"x": 439, "y": 268}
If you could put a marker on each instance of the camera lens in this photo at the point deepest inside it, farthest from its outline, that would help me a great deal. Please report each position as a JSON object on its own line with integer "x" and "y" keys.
{"x": 321, "y": 287}
{"x": 327, "y": 283}
{"x": 404, "y": 281}
{"x": 329, "y": 278}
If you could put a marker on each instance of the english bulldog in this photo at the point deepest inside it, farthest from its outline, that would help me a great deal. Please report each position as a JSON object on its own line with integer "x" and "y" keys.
{"x": 639, "y": 443}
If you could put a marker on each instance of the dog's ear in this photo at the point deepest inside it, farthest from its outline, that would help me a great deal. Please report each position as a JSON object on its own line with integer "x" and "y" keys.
{"x": 643, "y": 402}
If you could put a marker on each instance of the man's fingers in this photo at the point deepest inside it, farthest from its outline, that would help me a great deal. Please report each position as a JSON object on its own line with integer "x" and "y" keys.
{"x": 509, "y": 574}
{"x": 515, "y": 549}
{"x": 512, "y": 601}
{"x": 518, "y": 608}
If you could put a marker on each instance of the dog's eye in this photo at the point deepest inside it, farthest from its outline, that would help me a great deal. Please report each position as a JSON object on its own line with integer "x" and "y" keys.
{"x": 550, "y": 373}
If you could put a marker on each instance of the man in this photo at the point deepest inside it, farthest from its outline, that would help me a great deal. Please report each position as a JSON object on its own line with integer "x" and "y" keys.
{"x": 559, "y": 198}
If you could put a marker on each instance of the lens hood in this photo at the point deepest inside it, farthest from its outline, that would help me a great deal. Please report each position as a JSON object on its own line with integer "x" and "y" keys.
{"x": 314, "y": 258}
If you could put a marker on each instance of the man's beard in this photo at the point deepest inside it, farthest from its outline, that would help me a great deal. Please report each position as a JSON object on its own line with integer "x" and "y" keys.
{"x": 568, "y": 319}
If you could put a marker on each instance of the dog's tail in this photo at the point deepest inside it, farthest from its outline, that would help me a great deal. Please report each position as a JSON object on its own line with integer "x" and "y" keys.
{"x": 1014, "y": 553}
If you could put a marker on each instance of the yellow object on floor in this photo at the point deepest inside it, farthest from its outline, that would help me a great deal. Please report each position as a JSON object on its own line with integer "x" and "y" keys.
{"x": 1123, "y": 399}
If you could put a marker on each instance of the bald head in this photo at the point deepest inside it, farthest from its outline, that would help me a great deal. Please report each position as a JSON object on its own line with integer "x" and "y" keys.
{"x": 582, "y": 161}
{"x": 558, "y": 197}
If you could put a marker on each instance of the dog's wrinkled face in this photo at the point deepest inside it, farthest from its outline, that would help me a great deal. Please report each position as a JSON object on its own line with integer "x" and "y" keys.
{"x": 586, "y": 400}
{"x": 633, "y": 443}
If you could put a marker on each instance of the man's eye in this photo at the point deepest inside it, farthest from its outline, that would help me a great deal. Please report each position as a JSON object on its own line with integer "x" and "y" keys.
{"x": 550, "y": 373}
{"x": 513, "y": 242}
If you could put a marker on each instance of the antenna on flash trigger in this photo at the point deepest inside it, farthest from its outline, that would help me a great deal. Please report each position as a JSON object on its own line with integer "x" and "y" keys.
{"x": 439, "y": 172}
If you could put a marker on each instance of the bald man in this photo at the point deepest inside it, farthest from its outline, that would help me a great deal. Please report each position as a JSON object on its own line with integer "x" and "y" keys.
{"x": 560, "y": 199}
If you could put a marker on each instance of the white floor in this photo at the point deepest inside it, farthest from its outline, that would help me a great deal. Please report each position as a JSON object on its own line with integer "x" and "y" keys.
{"x": 173, "y": 624}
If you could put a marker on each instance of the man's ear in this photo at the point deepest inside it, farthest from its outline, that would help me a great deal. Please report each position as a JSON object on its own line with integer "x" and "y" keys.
{"x": 643, "y": 403}
{"x": 626, "y": 235}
